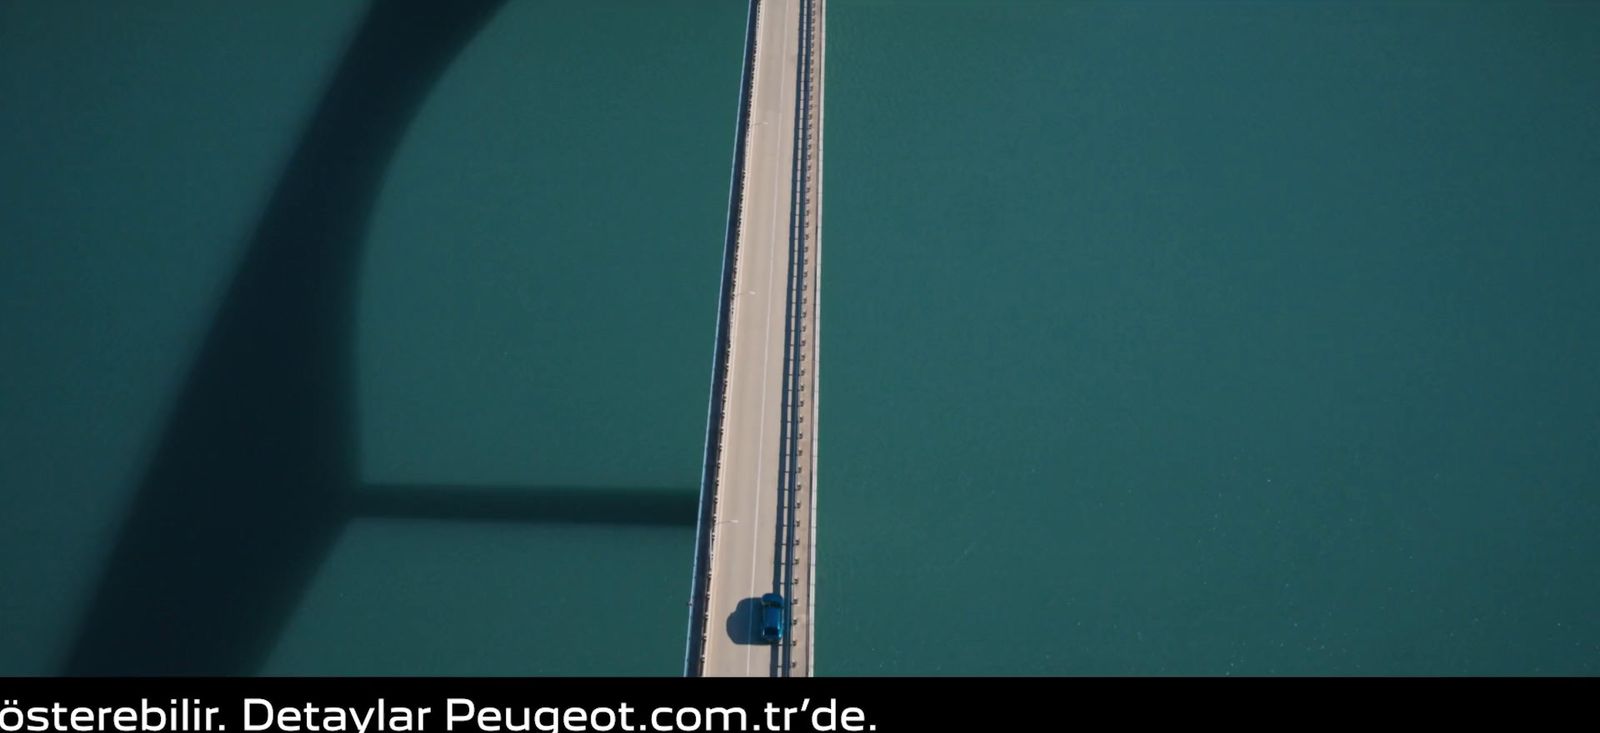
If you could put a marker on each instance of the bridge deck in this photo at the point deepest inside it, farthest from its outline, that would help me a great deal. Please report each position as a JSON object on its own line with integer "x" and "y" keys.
{"x": 761, "y": 530}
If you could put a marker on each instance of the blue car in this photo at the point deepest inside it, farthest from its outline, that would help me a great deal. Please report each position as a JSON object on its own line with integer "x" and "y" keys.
{"x": 772, "y": 618}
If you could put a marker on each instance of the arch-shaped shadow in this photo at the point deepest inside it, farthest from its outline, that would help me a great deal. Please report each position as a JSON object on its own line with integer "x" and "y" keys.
{"x": 254, "y": 473}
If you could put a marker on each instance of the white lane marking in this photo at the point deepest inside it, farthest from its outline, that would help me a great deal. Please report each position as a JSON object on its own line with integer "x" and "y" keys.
{"x": 766, "y": 372}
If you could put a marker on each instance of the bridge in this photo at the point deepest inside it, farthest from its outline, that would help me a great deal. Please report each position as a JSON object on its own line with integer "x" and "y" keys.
{"x": 756, "y": 533}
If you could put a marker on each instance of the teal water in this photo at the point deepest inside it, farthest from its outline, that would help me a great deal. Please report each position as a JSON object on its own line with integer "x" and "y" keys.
{"x": 542, "y": 273}
{"x": 1211, "y": 338}
{"x": 532, "y": 315}
{"x": 1201, "y": 337}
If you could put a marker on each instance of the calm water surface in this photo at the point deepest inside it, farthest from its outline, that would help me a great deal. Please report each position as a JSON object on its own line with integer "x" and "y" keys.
{"x": 1216, "y": 338}
{"x": 534, "y": 313}
{"x": 1212, "y": 338}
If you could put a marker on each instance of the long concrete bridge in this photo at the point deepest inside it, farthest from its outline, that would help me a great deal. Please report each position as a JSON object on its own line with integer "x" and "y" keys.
{"x": 758, "y": 498}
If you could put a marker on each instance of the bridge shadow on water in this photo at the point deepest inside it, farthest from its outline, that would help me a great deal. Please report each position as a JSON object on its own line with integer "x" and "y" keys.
{"x": 255, "y": 474}
{"x": 568, "y": 505}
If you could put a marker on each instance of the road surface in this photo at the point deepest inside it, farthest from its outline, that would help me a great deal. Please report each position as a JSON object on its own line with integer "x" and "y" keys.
{"x": 761, "y": 524}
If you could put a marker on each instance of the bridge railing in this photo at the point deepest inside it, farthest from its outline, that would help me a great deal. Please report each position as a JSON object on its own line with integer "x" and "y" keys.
{"x": 795, "y": 328}
{"x": 705, "y": 531}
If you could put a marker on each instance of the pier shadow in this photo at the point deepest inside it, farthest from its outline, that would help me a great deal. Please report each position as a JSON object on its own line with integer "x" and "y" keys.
{"x": 255, "y": 473}
{"x": 532, "y": 504}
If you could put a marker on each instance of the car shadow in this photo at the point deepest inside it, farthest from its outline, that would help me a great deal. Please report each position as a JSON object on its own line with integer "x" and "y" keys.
{"x": 743, "y": 622}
